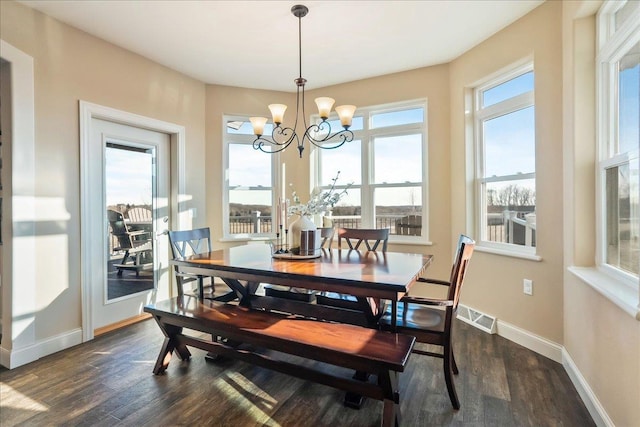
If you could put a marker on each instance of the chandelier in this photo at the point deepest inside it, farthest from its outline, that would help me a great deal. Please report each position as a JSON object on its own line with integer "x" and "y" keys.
{"x": 317, "y": 134}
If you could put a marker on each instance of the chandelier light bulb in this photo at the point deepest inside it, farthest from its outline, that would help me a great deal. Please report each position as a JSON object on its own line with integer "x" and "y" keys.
{"x": 277, "y": 112}
{"x": 324, "y": 106}
{"x": 258, "y": 125}
{"x": 345, "y": 112}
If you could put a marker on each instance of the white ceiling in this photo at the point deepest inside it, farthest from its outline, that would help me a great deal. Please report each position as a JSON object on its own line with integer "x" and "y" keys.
{"x": 254, "y": 44}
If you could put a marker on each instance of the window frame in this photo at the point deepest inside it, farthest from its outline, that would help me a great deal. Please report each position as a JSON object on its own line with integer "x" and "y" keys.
{"x": 613, "y": 44}
{"x": 367, "y": 137}
{"x": 276, "y": 178}
{"x": 480, "y": 115}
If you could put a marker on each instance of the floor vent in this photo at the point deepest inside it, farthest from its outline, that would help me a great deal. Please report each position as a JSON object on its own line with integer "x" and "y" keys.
{"x": 479, "y": 320}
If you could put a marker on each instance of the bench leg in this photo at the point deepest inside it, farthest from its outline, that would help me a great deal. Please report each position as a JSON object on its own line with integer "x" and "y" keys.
{"x": 391, "y": 404}
{"x": 170, "y": 343}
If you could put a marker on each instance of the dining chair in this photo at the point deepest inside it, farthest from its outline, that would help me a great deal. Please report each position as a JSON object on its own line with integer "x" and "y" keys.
{"x": 356, "y": 238}
{"x": 430, "y": 320}
{"x": 300, "y": 294}
{"x": 136, "y": 245}
{"x": 184, "y": 243}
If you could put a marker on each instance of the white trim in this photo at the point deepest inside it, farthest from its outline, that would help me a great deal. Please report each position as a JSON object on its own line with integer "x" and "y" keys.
{"x": 510, "y": 253}
{"x": 590, "y": 400}
{"x": 530, "y": 340}
{"x": 616, "y": 291}
{"x": 19, "y": 306}
{"x": 178, "y": 198}
{"x": 18, "y": 357}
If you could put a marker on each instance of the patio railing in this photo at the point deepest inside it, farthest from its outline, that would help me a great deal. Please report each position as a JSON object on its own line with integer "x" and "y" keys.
{"x": 512, "y": 227}
{"x": 407, "y": 225}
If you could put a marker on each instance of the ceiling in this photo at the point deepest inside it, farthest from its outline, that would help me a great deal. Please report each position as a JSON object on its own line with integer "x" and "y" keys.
{"x": 254, "y": 44}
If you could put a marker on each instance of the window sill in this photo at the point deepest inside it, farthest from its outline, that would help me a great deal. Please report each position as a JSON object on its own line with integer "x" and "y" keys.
{"x": 619, "y": 293}
{"x": 246, "y": 239}
{"x": 408, "y": 242}
{"x": 513, "y": 254}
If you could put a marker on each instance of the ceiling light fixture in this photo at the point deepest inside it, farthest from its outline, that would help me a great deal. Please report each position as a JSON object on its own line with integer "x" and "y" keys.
{"x": 317, "y": 134}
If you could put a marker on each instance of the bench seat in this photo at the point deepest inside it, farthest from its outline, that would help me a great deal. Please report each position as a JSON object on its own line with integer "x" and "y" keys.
{"x": 383, "y": 354}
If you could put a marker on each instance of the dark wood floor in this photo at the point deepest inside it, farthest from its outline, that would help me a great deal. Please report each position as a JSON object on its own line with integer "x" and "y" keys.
{"x": 108, "y": 382}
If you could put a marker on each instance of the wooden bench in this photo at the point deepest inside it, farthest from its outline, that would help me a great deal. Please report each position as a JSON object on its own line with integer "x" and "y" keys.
{"x": 383, "y": 354}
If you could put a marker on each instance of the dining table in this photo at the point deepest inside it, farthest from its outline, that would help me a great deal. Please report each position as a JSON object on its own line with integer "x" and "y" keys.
{"x": 368, "y": 276}
{"x": 372, "y": 278}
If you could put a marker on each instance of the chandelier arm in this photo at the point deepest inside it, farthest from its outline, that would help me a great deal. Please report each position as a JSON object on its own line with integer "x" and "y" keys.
{"x": 345, "y": 136}
{"x": 281, "y": 138}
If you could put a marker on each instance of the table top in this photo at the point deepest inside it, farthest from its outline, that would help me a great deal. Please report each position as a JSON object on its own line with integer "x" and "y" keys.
{"x": 359, "y": 273}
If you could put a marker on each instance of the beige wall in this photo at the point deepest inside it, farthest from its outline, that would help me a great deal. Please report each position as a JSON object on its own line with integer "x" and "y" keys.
{"x": 537, "y": 35}
{"x": 602, "y": 340}
{"x": 69, "y": 66}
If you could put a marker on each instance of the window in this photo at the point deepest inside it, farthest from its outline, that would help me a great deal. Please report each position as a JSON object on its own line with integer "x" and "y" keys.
{"x": 619, "y": 139}
{"x": 386, "y": 167}
{"x": 505, "y": 180}
{"x": 248, "y": 182}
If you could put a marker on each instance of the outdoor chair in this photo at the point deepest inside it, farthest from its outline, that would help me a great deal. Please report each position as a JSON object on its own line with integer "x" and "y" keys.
{"x": 136, "y": 245}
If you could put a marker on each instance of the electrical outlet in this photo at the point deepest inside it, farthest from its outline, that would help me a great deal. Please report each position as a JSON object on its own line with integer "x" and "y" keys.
{"x": 528, "y": 286}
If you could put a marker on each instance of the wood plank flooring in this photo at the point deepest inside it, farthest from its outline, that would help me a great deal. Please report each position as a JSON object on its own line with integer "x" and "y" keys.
{"x": 108, "y": 382}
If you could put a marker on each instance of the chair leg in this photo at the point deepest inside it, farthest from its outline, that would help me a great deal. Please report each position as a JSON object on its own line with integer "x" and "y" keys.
{"x": 453, "y": 363}
{"x": 448, "y": 376}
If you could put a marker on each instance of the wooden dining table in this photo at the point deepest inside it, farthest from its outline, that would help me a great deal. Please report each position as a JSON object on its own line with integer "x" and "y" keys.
{"x": 370, "y": 277}
{"x": 373, "y": 278}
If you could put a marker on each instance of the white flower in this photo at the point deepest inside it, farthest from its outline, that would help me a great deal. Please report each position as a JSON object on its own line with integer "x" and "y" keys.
{"x": 319, "y": 202}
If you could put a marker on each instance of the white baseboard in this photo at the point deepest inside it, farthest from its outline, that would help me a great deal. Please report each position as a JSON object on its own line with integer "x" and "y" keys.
{"x": 21, "y": 356}
{"x": 598, "y": 413}
{"x": 530, "y": 340}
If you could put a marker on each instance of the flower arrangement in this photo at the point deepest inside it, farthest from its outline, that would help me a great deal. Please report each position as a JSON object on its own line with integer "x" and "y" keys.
{"x": 319, "y": 202}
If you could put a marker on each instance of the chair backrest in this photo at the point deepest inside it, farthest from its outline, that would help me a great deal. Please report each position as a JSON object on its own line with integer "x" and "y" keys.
{"x": 326, "y": 235}
{"x": 184, "y": 243}
{"x": 188, "y": 242}
{"x": 139, "y": 214}
{"x": 459, "y": 269}
{"x": 372, "y": 237}
{"x": 119, "y": 229}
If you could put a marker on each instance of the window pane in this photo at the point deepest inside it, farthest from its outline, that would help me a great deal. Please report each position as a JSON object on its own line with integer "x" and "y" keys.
{"x": 238, "y": 127}
{"x": 345, "y": 160}
{"x": 250, "y": 192}
{"x": 508, "y": 89}
{"x": 395, "y": 118}
{"x": 399, "y": 209}
{"x": 398, "y": 159}
{"x": 623, "y": 225}
{"x": 629, "y": 101}
{"x": 509, "y": 144}
{"x": 510, "y": 212}
{"x": 347, "y": 213}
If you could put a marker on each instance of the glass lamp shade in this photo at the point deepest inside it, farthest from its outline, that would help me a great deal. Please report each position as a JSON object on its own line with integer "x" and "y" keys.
{"x": 324, "y": 106}
{"x": 277, "y": 112}
{"x": 258, "y": 124}
{"x": 345, "y": 112}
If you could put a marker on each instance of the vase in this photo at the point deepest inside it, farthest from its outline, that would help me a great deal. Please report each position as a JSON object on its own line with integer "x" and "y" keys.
{"x": 302, "y": 223}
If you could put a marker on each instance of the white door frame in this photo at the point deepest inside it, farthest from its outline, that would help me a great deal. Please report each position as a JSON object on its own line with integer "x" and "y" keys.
{"x": 176, "y": 132}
